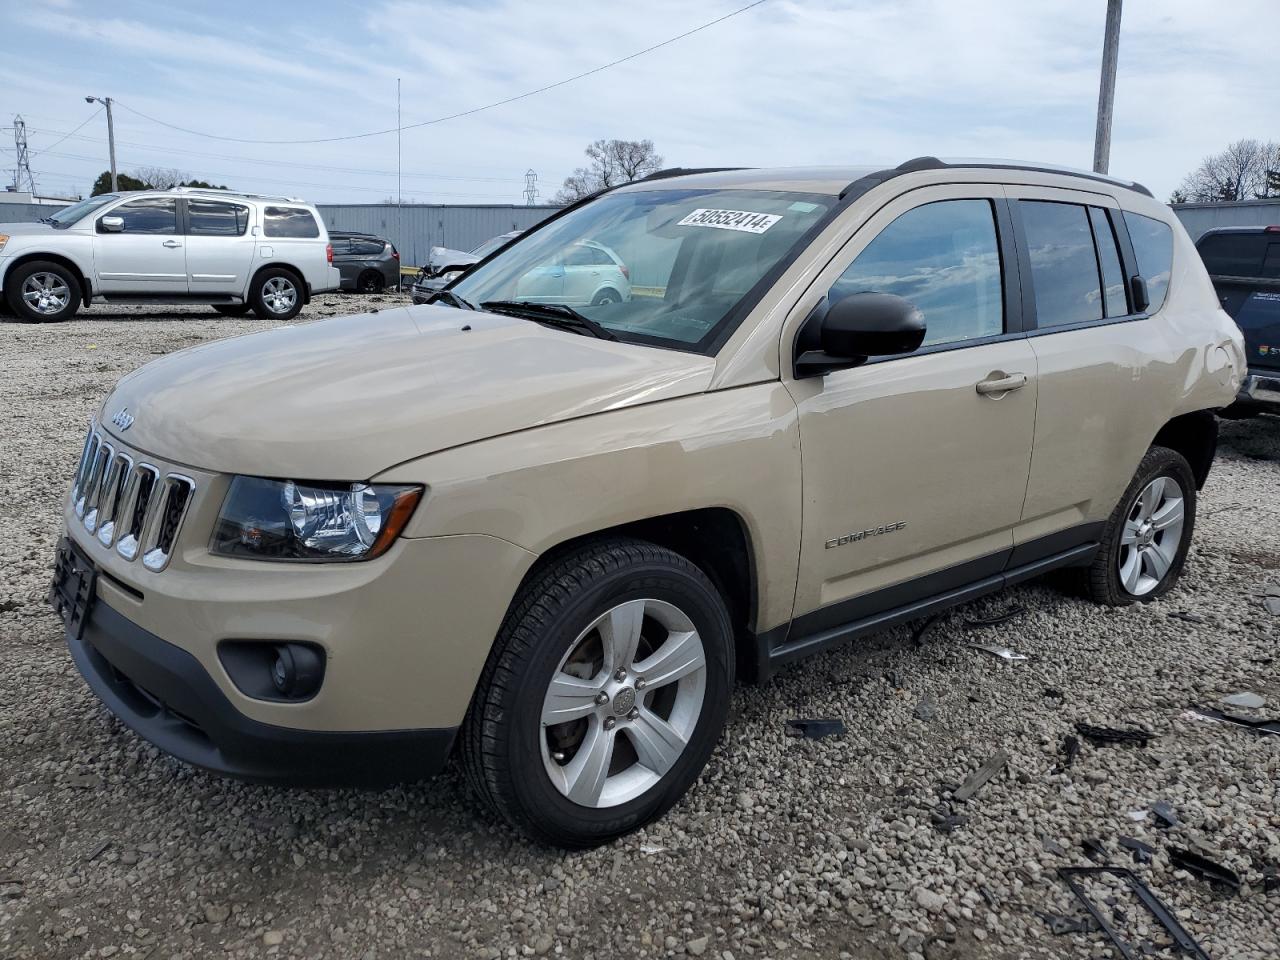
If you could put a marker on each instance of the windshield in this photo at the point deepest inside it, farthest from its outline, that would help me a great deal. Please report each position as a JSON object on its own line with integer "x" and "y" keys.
{"x": 667, "y": 267}
{"x": 77, "y": 211}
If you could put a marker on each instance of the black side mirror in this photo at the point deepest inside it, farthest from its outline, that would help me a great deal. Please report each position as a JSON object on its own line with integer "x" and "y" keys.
{"x": 854, "y": 328}
{"x": 1138, "y": 290}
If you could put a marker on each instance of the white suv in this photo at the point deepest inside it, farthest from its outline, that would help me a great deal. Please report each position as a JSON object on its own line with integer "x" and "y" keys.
{"x": 235, "y": 251}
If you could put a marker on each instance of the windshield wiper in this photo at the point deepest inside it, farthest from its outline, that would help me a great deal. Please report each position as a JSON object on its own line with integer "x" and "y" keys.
{"x": 551, "y": 314}
{"x": 453, "y": 300}
{"x": 47, "y": 220}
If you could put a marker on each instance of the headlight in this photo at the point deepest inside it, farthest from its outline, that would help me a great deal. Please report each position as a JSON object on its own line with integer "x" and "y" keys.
{"x": 285, "y": 520}
{"x": 450, "y": 276}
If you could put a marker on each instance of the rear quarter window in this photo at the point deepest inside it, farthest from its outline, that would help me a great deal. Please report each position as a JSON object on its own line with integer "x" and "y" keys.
{"x": 289, "y": 222}
{"x": 1153, "y": 246}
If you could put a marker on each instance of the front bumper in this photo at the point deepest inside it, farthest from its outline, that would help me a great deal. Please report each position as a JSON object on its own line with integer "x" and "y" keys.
{"x": 1261, "y": 387}
{"x": 423, "y": 290}
{"x": 166, "y": 696}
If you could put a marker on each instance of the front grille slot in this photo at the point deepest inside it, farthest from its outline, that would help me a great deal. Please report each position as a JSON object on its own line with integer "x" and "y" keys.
{"x": 132, "y": 506}
{"x": 133, "y": 513}
{"x": 175, "y": 496}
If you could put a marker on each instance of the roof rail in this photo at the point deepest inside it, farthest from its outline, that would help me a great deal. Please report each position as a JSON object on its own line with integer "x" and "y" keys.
{"x": 684, "y": 172}
{"x": 933, "y": 163}
{"x": 223, "y": 192}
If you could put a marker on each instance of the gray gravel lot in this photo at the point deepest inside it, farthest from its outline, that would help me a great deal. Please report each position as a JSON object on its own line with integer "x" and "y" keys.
{"x": 785, "y": 848}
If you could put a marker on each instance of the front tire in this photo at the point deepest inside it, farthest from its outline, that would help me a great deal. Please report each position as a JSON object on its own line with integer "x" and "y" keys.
{"x": 276, "y": 294}
{"x": 604, "y": 695}
{"x": 1146, "y": 539}
{"x": 42, "y": 292}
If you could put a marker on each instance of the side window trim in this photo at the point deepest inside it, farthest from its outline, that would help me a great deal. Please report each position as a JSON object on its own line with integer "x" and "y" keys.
{"x": 1128, "y": 262}
{"x": 1100, "y": 219}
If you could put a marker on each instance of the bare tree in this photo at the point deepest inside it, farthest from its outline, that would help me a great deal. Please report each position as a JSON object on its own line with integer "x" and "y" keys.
{"x": 612, "y": 162}
{"x": 1246, "y": 170}
{"x": 160, "y": 178}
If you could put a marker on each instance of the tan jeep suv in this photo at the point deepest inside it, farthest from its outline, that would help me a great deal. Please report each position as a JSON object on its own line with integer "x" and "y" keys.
{"x": 547, "y": 538}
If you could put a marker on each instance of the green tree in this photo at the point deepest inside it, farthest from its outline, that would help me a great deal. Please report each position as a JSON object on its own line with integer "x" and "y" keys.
{"x": 103, "y": 183}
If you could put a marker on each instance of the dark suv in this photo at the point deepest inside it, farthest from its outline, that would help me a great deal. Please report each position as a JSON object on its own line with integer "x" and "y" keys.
{"x": 1244, "y": 264}
{"x": 368, "y": 264}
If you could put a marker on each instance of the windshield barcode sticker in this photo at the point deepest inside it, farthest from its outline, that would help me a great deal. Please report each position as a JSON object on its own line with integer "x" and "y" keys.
{"x": 743, "y": 220}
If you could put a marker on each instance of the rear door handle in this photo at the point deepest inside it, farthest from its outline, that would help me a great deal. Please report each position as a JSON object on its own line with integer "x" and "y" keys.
{"x": 1014, "y": 381}
{"x": 171, "y": 244}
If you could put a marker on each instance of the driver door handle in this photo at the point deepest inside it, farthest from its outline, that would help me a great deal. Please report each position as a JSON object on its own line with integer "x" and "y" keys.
{"x": 1014, "y": 381}
{"x": 171, "y": 244}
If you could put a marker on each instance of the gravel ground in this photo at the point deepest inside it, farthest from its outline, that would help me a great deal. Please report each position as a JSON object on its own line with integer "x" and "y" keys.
{"x": 786, "y": 848}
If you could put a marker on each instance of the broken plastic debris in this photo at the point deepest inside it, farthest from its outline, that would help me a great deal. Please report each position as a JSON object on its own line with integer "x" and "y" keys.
{"x": 1141, "y": 852}
{"x": 1183, "y": 941}
{"x": 1247, "y": 700}
{"x": 1004, "y": 653}
{"x": 1103, "y": 735}
{"x": 1095, "y": 849}
{"x": 1059, "y": 924}
{"x": 1166, "y": 817}
{"x": 996, "y": 620}
{"x": 1218, "y": 716}
{"x": 816, "y": 728}
{"x": 1204, "y": 868}
{"x": 974, "y": 782}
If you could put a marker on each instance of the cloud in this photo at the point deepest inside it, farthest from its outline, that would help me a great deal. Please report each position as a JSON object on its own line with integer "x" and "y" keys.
{"x": 789, "y": 82}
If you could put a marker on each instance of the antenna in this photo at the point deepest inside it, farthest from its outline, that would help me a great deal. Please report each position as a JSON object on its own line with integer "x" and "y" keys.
{"x": 22, "y": 173}
{"x": 530, "y": 188}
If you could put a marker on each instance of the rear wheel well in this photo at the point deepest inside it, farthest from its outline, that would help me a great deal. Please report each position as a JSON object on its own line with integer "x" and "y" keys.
{"x": 303, "y": 287}
{"x": 1195, "y": 436}
{"x": 713, "y": 538}
{"x": 86, "y": 293}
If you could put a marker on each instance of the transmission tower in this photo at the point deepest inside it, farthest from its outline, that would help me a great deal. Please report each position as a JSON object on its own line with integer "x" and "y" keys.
{"x": 530, "y": 188}
{"x": 23, "y": 181}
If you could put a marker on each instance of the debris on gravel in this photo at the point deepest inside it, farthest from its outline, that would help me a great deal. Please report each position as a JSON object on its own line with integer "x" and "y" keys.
{"x": 786, "y": 848}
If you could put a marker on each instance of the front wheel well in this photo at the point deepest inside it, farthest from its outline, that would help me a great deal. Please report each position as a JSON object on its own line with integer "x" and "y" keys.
{"x": 1195, "y": 436}
{"x": 86, "y": 292}
{"x": 713, "y": 538}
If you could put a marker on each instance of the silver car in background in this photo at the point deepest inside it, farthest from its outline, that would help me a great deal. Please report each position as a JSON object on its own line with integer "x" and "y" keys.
{"x": 235, "y": 251}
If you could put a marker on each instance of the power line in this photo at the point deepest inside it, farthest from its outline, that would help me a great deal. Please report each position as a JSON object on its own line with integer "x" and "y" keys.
{"x": 274, "y": 163}
{"x": 71, "y": 134}
{"x": 464, "y": 113}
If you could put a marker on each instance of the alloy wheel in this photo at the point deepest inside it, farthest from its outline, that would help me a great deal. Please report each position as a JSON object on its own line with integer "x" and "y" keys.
{"x": 46, "y": 293}
{"x": 623, "y": 704}
{"x": 1151, "y": 536}
{"x": 279, "y": 294}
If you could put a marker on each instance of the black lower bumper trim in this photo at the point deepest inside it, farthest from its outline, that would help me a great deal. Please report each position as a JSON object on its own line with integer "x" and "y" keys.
{"x": 166, "y": 696}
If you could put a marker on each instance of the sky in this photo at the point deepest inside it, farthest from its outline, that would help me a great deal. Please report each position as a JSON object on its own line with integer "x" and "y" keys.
{"x": 785, "y": 83}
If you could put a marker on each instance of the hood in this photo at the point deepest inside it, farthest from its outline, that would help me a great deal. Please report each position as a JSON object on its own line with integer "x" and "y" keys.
{"x": 348, "y": 397}
{"x": 28, "y": 229}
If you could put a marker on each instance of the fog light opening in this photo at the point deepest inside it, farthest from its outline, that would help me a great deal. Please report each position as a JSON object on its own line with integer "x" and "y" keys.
{"x": 296, "y": 671}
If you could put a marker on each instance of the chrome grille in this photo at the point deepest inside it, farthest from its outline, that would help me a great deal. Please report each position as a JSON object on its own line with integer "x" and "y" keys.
{"x": 129, "y": 505}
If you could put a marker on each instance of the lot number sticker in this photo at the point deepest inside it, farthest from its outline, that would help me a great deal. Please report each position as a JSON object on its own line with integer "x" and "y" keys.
{"x": 741, "y": 220}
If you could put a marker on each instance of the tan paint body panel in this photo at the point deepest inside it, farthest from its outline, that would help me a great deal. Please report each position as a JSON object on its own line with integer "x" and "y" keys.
{"x": 346, "y": 397}
{"x": 527, "y": 437}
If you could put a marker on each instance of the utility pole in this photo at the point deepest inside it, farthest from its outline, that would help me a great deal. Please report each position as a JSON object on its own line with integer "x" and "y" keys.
{"x": 22, "y": 174}
{"x": 399, "y": 196}
{"x": 1107, "y": 89}
{"x": 111, "y": 138}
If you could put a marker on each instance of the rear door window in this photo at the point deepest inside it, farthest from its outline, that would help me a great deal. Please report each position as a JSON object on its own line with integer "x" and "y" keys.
{"x": 1064, "y": 262}
{"x": 211, "y": 218}
{"x": 1153, "y": 246}
{"x": 1114, "y": 299}
{"x": 943, "y": 257}
{"x": 148, "y": 215}
{"x": 289, "y": 222}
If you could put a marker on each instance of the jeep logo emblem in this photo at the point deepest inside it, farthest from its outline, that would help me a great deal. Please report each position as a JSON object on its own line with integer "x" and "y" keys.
{"x": 123, "y": 419}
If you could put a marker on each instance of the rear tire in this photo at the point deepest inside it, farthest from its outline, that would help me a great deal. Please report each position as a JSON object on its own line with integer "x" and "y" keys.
{"x": 276, "y": 294}
{"x": 1145, "y": 541}
{"x": 232, "y": 309}
{"x": 42, "y": 292}
{"x": 633, "y": 644}
{"x": 371, "y": 281}
{"x": 606, "y": 296}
